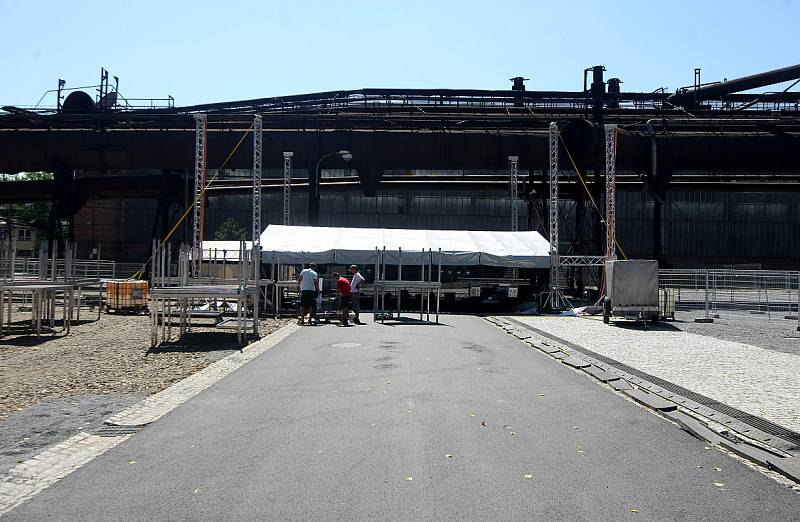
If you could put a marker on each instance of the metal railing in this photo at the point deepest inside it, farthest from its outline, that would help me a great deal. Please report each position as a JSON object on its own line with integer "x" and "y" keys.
{"x": 710, "y": 293}
{"x": 82, "y": 268}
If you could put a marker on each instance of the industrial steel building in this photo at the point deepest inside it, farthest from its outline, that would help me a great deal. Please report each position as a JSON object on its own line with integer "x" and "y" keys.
{"x": 706, "y": 176}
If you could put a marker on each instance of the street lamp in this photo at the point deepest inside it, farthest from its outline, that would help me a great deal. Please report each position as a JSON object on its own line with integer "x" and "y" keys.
{"x": 344, "y": 154}
{"x": 313, "y": 200}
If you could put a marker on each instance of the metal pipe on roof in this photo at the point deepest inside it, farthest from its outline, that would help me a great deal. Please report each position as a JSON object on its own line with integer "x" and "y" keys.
{"x": 715, "y": 90}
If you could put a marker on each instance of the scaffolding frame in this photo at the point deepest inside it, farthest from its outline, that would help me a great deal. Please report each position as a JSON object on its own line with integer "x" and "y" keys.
{"x": 175, "y": 293}
{"x": 425, "y": 287}
{"x": 54, "y": 282}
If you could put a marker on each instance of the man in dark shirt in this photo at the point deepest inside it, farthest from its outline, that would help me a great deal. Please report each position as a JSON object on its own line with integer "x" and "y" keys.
{"x": 345, "y": 296}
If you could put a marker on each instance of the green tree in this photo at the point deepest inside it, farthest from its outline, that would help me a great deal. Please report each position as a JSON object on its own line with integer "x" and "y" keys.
{"x": 35, "y": 214}
{"x": 230, "y": 230}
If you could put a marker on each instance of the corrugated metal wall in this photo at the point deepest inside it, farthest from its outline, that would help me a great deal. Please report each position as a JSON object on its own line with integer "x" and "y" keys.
{"x": 723, "y": 226}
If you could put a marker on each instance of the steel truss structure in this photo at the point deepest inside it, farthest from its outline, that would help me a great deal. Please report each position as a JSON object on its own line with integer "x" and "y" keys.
{"x": 556, "y": 299}
{"x": 513, "y": 162}
{"x": 257, "y": 151}
{"x": 200, "y": 167}
{"x": 581, "y": 261}
{"x": 287, "y": 187}
{"x": 611, "y": 191}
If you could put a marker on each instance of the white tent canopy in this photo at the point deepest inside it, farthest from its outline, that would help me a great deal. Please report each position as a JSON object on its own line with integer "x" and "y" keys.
{"x": 291, "y": 244}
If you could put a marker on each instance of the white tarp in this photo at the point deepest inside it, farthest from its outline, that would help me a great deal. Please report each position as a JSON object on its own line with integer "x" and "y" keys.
{"x": 290, "y": 244}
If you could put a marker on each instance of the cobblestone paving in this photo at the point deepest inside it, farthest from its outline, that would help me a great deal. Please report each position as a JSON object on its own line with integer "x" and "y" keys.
{"x": 756, "y": 380}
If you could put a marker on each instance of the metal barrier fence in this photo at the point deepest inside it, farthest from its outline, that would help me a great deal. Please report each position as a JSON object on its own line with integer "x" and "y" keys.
{"x": 713, "y": 293}
{"x": 82, "y": 268}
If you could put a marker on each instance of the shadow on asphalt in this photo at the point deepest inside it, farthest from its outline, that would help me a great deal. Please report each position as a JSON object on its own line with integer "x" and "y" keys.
{"x": 407, "y": 321}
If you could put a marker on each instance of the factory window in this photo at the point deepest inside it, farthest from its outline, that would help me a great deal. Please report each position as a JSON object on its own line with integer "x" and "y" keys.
{"x": 24, "y": 234}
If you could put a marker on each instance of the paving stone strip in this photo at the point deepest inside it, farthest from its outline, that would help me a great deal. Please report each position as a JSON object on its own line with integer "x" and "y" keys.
{"x": 28, "y": 478}
{"x": 32, "y": 476}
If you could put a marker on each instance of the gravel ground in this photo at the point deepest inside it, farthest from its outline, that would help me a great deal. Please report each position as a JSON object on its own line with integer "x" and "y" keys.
{"x": 759, "y": 381}
{"x": 111, "y": 355}
{"x": 780, "y": 335}
{"x": 56, "y": 386}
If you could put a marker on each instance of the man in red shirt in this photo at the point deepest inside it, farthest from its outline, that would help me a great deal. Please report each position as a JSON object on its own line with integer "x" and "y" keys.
{"x": 345, "y": 296}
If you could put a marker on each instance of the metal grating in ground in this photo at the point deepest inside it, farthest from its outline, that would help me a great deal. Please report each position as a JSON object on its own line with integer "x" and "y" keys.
{"x": 108, "y": 430}
{"x": 746, "y": 418}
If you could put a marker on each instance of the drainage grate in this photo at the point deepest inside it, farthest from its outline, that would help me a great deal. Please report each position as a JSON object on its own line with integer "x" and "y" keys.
{"x": 108, "y": 430}
{"x": 751, "y": 420}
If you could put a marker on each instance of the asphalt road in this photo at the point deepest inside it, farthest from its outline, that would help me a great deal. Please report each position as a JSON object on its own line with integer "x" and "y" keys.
{"x": 411, "y": 422}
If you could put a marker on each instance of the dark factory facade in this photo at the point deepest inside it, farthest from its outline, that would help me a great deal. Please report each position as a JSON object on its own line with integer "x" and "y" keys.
{"x": 700, "y": 228}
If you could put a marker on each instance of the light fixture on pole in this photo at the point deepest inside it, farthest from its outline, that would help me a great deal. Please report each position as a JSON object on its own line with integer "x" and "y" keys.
{"x": 346, "y": 155}
{"x": 313, "y": 200}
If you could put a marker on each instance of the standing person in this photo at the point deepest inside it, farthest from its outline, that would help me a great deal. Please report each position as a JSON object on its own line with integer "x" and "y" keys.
{"x": 345, "y": 296}
{"x": 308, "y": 293}
{"x": 355, "y": 288}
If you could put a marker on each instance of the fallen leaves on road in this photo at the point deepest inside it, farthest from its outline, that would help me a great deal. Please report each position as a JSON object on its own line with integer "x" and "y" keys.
{"x": 449, "y": 456}
{"x": 529, "y": 477}
{"x": 483, "y": 423}
{"x": 409, "y": 478}
{"x": 633, "y": 510}
{"x": 131, "y": 462}
{"x": 719, "y": 484}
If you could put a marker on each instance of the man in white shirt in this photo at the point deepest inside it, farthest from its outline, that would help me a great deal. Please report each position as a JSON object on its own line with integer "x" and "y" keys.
{"x": 355, "y": 287}
{"x": 308, "y": 293}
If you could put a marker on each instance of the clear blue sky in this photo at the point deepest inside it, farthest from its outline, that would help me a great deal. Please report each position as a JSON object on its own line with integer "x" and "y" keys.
{"x": 204, "y": 51}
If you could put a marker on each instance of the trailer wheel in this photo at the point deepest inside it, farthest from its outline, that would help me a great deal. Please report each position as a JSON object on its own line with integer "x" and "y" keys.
{"x": 606, "y": 310}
